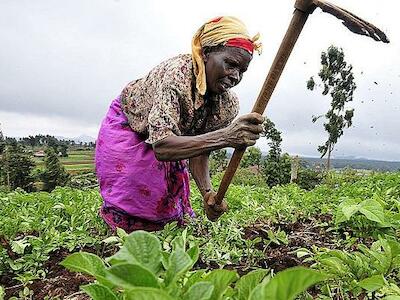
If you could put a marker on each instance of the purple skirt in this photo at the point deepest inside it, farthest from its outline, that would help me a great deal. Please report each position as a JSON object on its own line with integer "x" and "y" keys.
{"x": 135, "y": 186}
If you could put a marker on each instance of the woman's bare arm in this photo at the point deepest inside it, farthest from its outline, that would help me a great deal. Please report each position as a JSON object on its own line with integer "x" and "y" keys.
{"x": 175, "y": 148}
{"x": 199, "y": 169}
{"x": 243, "y": 132}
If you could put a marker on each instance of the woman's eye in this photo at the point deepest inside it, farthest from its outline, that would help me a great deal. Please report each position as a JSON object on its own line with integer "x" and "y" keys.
{"x": 231, "y": 64}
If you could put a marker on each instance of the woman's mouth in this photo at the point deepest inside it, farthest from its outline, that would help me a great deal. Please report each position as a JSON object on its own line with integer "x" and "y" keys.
{"x": 225, "y": 86}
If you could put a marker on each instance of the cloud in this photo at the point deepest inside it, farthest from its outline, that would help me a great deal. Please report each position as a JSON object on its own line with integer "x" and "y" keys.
{"x": 68, "y": 60}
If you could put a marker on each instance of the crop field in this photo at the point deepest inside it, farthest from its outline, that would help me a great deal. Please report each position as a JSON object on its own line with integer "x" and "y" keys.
{"x": 76, "y": 161}
{"x": 337, "y": 241}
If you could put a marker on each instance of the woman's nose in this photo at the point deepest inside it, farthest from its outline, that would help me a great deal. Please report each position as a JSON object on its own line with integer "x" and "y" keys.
{"x": 235, "y": 76}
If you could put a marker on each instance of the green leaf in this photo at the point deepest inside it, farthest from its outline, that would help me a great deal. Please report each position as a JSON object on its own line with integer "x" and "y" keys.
{"x": 221, "y": 279}
{"x": 335, "y": 265}
{"x": 84, "y": 262}
{"x": 140, "y": 247}
{"x": 194, "y": 253}
{"x": 372, "y": 283}
{"x": 99, "y": 292}
{"x": 18, "y": 247}
{"x": 392, "y": 298}
{"x": 129, "y": 276}
{"x": 373, "y": 210}
{"x": 196, "y": 276}
{"x": 349, "y": 210}
{"x": 345, "y": 210}
{"x": 145, "y": 293}
{"x": 286, "y": 285}
{"x": 199, "y": 291}
{"x": 248, "y": 282}
{"x": 179, "y": 263}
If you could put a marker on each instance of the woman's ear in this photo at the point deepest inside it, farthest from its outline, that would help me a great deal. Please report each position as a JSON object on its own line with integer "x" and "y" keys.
{"x": 205, "y": 52}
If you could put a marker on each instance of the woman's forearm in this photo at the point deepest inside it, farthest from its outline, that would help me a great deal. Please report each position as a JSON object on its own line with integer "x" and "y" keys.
{"x": 200, "y": 172}
{"x": 175, "y": 148}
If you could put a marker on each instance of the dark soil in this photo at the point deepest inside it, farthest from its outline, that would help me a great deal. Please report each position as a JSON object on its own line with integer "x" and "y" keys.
{"x": 63, "y": 284}
{"x": 59, "y": 282}
{"x": 301, "y": 234}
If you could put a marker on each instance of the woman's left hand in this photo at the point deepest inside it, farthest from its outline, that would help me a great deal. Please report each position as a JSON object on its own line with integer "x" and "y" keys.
{"x": 213, "y": 210}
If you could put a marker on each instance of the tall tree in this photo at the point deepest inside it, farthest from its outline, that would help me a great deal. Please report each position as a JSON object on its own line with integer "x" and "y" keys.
{"x": 337, "y": 81}
{"x": 252, "y": 157}
{"x": 54, "y": 173}
{"x": 276, "y": 167}
{"x": 2, "y": 141}
{"x": 16, "y": 167}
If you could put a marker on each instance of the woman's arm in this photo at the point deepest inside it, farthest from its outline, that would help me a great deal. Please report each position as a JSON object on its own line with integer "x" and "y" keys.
{"x": 199, "y": 169}
{"x": 243, "y": 132}
{"x": 175, "y": 148}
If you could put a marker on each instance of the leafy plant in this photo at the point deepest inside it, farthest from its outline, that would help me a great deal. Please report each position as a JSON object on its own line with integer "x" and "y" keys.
{"x": 365, "y": 271}
{"x": 141, "y": 270}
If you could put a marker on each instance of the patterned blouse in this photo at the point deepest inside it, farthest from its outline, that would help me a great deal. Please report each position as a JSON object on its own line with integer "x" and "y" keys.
{"x": 166, "y": 102}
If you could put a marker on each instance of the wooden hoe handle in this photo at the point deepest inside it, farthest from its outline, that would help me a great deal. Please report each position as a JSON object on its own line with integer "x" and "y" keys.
{"x": 302, "y": 10}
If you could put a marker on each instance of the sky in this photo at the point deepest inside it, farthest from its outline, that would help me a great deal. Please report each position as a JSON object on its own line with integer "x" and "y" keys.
{"x": 63, "y": 62}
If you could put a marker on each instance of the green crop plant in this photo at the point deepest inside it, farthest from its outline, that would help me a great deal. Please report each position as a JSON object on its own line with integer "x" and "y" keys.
{"x": 368, "y": 270}
{"x": 142, "y": 270}
{"x": 33, "y": 225}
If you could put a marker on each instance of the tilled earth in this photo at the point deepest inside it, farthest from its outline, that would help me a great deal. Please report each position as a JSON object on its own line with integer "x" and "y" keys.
{"x": 63, "y": 284}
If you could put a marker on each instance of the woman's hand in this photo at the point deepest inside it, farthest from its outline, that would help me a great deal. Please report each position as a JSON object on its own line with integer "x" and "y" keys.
{"x": 213, "y": 210}
{"x": 244, "y": 131}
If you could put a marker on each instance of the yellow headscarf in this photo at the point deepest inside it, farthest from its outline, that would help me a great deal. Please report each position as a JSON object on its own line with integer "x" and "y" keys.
{"x": 213, "y": 33}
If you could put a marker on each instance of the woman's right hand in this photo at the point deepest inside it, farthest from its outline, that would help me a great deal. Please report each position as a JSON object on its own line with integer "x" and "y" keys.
{"x": 244, "y": 131}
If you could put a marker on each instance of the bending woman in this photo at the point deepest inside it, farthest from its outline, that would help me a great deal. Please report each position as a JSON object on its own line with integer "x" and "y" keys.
{"x": 182, "y": 110}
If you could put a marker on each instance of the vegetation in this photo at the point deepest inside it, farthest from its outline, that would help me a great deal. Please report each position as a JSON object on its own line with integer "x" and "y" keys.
{"x": 345, "y": 228}
{"x": 338, "y": 80}
{"x": 276, "y": 167}
{"x": 218, "y": 161}
{"x": 252, "y": 157}
{"x": 16, "y": 167}
{"x": 54, "y": 173}
{"x": 166, "y": 275}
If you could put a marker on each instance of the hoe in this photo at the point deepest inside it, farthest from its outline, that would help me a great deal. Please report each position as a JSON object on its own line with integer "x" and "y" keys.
{"x": 303, "y": 8}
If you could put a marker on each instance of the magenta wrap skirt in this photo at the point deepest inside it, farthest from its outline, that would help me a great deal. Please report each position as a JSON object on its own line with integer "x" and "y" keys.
{"x": 139, "y": 192}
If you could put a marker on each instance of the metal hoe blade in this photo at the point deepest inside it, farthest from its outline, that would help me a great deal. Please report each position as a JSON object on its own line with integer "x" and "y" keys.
{"x": 352, "y": 22}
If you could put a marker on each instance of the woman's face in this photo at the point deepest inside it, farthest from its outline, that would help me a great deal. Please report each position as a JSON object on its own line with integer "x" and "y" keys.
{"x": 224, "y": 68}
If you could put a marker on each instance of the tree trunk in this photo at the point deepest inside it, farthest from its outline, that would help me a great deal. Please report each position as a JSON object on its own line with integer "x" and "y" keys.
{"x": 295, "y": 169}
{"x": 328, "y": 163}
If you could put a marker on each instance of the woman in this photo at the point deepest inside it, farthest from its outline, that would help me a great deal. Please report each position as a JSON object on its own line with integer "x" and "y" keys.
{"x": 183, "y": 109}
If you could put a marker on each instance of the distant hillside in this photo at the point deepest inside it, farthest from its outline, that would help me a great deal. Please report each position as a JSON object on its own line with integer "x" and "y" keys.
{"x": 349, "y": 162}
{"x": 365, "y": 164}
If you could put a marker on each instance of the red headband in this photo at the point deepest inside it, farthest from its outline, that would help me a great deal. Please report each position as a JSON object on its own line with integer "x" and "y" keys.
{"x": 241, "y": 43}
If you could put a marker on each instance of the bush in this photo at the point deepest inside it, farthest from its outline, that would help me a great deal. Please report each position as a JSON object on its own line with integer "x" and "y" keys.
{"x": 308, "y": 178}
{"x": 276, "y": 169}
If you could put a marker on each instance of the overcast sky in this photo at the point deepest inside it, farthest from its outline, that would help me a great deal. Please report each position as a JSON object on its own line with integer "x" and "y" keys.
{"x": 62, "y": 63}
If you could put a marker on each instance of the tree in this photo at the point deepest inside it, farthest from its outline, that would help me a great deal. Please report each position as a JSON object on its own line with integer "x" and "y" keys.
{"x": 252, "y": 157}
{"x": 63, "y": 147}
{"x": 337, "y": 81}
{"x": 54, "y": 173}
{"x": 218, "y": 161}
{"x": 2, "y": 142}
{"x": 16, "y": 168}
{"x": 276, "y": 167}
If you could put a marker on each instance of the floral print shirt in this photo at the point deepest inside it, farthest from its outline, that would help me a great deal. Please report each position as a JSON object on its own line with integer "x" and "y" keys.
{"x": 166, "y": 102}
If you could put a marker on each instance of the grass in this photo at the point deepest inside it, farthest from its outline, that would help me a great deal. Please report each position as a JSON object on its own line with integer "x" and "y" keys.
{"x": 76, "y": 160}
